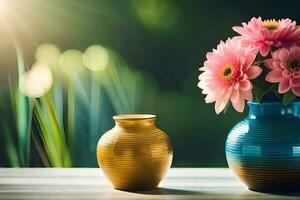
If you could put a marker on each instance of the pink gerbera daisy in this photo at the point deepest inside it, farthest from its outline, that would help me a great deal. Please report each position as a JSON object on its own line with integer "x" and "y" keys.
{"x": 226, "y": 75}
{"x": 285, "y": 69}
{"x": 263, "y": 35}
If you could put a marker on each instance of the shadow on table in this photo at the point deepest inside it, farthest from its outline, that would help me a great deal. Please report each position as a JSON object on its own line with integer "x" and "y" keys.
{"x": 280, "y": 193}
{"x": 169, "y": 191}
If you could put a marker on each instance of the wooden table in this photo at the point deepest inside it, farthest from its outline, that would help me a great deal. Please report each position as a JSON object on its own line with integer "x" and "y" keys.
{"x": 180, "y": 183}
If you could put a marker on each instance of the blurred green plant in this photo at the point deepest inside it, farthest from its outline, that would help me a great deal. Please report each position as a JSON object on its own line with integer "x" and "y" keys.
{"x": 156, "y": 15}
{"x": 17, "y": 137}
{"x": 45, "y": 100}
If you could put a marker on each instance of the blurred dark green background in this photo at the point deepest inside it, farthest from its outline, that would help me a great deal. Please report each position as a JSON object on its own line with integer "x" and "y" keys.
{"x": 165, "y": 40}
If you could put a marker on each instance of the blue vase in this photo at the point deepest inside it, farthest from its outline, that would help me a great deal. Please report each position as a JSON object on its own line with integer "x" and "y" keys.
{"x": 263, "y": 150}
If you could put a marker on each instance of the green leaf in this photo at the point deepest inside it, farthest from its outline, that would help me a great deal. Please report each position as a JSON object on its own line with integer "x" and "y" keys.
{"x": 48, "y": 138}
{"x": 288, "y": 97}
{"x": 52, "y": 135}
{"x": 259, "y": 92}
{"x": 40, "y": 150}
{"x": 23, "y": 113}
{"x": 10, "y": 147}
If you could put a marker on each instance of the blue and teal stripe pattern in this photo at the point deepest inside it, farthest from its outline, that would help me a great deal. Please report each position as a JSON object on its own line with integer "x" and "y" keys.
{"x": 263, "y": 150}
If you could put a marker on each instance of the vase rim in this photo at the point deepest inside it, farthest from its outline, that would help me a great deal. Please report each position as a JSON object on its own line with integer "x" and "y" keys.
{"x": 134, "y": 117}
{"x": 271, "y": 103}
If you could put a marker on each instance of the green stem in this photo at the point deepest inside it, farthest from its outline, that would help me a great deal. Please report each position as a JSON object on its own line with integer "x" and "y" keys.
{"x": 71, "y": 117}
{"x": 58, "y": 98}
{"x": 94, "y": 106}
{"x": 40, "y": 151}
{"x": 259, "y": 62}
{"x": 61, "y": 140}
{"x": 10, "y": 147}
{"x": 48, "y": 135}
{"x": 29, "y": 130}
{"x": 21, "y": 111}
{"x": 119, "y": 88}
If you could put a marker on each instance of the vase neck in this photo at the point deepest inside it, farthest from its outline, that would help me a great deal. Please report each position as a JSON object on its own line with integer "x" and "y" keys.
{"x": 273, "y": 109}
{"x": 134, "y": 120}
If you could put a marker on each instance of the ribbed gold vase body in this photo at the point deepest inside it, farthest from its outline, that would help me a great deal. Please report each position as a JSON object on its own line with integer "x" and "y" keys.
{"x": 134, "y": 155}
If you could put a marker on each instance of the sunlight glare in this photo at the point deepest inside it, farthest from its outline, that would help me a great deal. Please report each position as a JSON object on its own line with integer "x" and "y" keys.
{"x": 3, "y": 4}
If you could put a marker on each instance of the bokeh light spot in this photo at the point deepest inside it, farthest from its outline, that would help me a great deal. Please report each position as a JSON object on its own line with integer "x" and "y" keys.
{"x": 96, "y": 58}
{"x": 71, "y": 61}
{"x": 48, "y": 53}
{"x": 37, "y": 81}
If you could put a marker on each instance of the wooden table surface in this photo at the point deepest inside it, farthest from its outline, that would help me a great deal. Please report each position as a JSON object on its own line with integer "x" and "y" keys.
{"x": 79, "y": 183}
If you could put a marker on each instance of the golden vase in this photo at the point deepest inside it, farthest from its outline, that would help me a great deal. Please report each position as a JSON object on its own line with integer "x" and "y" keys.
{"x": 135, "y": 154}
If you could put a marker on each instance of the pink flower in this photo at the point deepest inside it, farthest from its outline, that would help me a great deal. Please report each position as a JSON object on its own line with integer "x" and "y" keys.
{"x": 263, "y": 35}
{"x": 226, "y": 75}
{"x": 285, "y": 69}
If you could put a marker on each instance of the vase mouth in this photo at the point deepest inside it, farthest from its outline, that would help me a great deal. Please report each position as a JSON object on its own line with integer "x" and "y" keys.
{"x": 271, "y": 103}
{"x": 134, "y": 117}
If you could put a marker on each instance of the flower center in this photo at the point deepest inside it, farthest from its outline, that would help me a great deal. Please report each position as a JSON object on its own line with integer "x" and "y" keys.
{"x": 228, "y": 71}
{"x": 270, "y": 24}
{"x": 294, "y": 65}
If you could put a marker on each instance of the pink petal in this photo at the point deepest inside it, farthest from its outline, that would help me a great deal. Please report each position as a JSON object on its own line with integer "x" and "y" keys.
{"x": 247, "y": 95}
{"x": 277, "y": 43}
{"x": 235, "y": 96}
{"x": 249, "y": 58}
{"x": 220, "y": 105}
{"x": 296, "y": 91}
{"x": 283, "y": 65}
{"x": 268, "y": 42}
{"x": 286, "y": 74}
{"x": 295, "y": 82}
{"x": 245, "y": 85}
{"x": 284, "y": 86}
{"x": 269, "y": 63}
{"x": 239, "y": 30}
{"x": 202, "y": 69}
{"x": 210, "y": 98}
{"x": 296, "y": 74}
{"x": 295, "y": 52}
{"x": 278, "y": 64}
{"x": 211, "y": 65}
{"x": 264, "y": 50}
{"x": 274, "y": 76}
{"x": 283, "y": 54}
{"x": 236, "y": 85}
{"x": 238, "y": 102}
{"x": 275, "y": 54}
{"x": 253, "y": 72}
{"x": 222, "y": 100}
